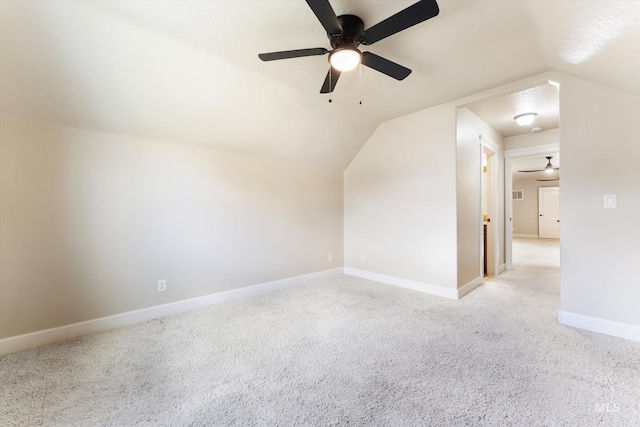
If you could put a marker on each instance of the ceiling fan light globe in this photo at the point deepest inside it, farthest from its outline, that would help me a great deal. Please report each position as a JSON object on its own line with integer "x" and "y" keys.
{"x": 345, "y": 59}
{"x": 549, "y": 168}
{"x": 525, "y": 119}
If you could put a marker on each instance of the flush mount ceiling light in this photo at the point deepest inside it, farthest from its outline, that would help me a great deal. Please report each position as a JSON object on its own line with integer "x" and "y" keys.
{"x": 345, "y": 59}
{"x": 525, "y": 119}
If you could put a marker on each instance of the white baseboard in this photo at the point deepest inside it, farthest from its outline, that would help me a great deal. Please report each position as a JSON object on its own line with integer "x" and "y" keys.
{"x": 603, "y": 326}
{"x": 502, "y": 268}
{"x": 48, "y": 336}
{"x": 468, "y": 287}
{"x": 427, "y": 288}
{"x": 526, "y": 236}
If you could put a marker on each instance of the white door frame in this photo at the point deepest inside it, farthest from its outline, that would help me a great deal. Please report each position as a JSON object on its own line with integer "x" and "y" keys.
{"x": 540, "y": 150}
{"x": 493, "y": 243}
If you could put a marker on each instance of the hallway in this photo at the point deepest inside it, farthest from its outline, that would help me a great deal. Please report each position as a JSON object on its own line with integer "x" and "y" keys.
{"x": 535, "y": 278}
{"x": 536, "y": 265}
{"x": 534, "y": 253}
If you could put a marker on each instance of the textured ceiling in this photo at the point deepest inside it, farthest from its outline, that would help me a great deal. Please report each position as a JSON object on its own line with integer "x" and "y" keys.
{"x": 188, "y": 70}
{"x": 499, "y": 112}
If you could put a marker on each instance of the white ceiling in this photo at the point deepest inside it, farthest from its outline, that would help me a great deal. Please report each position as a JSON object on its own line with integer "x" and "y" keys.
{"x": 499, "y": 112}
{"x": 188, "y": 70}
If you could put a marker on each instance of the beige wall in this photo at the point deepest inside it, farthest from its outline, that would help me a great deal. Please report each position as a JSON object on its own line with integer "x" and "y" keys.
{"x": 468, "y": 164}
{"x": 525, "y": 212}
{"x": 400, "y": 200}
{"x": 402, "y": 211}
{"x": 600, "y": 250}
{"x": 89, "y": 222}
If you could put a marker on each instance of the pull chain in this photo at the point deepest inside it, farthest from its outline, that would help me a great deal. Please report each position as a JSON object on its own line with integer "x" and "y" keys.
{"x": 330, "y": 69}
{"x": 360, "y": 81}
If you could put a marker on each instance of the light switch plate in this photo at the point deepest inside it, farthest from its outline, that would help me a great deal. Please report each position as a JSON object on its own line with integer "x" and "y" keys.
{"x": 610, "y": 201}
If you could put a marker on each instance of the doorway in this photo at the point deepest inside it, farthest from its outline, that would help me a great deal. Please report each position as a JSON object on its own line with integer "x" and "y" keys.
{"x": 522, "y": 195}
{"x": 540, "y": 136}
{"x": 490, "y": 244}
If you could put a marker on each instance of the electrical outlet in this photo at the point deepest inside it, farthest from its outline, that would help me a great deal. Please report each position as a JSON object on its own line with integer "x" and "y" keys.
{"x": 330, "y": 257}
{"x": 362, "y": 258}
{"x": 162, "y": 285}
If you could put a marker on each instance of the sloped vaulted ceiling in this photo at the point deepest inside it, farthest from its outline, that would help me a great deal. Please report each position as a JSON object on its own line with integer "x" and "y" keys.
{"x": 188, "y": 71}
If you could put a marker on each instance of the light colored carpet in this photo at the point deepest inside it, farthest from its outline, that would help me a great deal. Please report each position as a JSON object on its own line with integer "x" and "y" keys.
{"x": 341, "y": 351}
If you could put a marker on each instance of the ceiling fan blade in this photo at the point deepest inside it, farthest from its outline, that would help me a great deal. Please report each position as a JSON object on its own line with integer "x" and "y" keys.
{"x": 330, "y": 81}
{"x": 539, "y": 170}
{"x": 385, "y": 66}
{"x": 325, "y": 14}
{"x": 414, "y": 14}
{"x": 552, "y": 179}
{"x": 286, "y": 54}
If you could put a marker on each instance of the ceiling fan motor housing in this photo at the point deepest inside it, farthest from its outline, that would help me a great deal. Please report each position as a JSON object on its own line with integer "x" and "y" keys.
{"x": 346, "y": 33}
{"x": 352, "y": 29}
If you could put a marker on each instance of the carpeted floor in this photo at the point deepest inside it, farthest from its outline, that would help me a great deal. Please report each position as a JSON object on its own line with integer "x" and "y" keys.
{"x": 341, "y": 351}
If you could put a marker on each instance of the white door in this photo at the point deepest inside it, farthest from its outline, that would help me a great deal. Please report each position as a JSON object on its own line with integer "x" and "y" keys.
{"x": 549, "y": 212}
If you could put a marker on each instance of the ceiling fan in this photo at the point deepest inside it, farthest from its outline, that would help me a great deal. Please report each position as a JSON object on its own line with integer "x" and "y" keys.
{"x": 346, "y": 33}
{"x": 548, "y": 168}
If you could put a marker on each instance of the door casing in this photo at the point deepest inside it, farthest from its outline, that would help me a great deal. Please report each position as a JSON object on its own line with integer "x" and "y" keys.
{"x": 491, "y": 149}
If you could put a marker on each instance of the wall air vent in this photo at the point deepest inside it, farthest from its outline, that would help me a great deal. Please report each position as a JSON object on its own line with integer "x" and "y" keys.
{"x": 517, "y": 195}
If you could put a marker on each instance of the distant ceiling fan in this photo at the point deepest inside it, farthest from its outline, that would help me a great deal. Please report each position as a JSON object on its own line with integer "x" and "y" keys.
{"x": 346, "y": 33}
{"x": 548, "y": 168}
